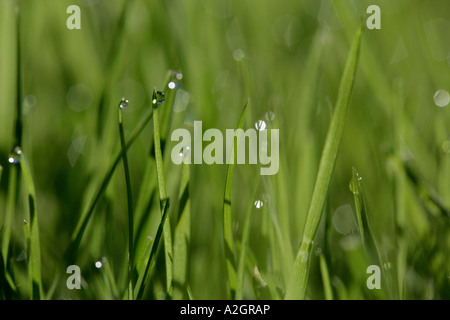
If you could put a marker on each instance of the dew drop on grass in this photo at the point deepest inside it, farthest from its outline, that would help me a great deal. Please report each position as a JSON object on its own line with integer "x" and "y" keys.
{"x": 172, "y": 85}
{"x": 159, "y": 97}
{"x": 123, "y": 103}
{"x": 441, "y": 98}
{"x": 260, "y": 125}
{"x": 179, "y": 76}
{"x": 98, "y": 264}
{"x": 259, "y": 204}
{"x": 184, "y": 152}
{"x": 14, "y": 157}
{"x": 270, "y": 116}
{"x": 446, "y": 146}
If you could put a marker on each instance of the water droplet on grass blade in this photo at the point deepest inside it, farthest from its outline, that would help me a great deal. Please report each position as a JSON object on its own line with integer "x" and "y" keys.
{"x": 441, "y": 98}
{"x": 270, "y": 116}
{"x": 98, "y": 264}
{"x": 123, "y": 103}
{"x": 172, "y": 85}
{"x": 259, "y": 204}
{"x": 158, "y": 97}
{"x": 260, "y": 125}
{"x": 179, "y": 76}
{"x": 14, "y": 157}
{"x": 184, "y": 152}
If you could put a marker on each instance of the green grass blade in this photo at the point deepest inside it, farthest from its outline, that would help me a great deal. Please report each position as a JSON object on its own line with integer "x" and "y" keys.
{"x": 325, "y": 278}
{"x": 297, "y": 287}
{"x": 33, "y": 243}
{"x": 162, "y": 194}
{"x": 182, "y": 238}
{"x": 87, "y": 214}
{"x": 244, "y": 246}
{"x": 10, "y": 209}
{"x": 355, "y": 188}
{"x": 227, "y": 221}
{"x": 144, "y": 276}
{"x": 130, "y": 206}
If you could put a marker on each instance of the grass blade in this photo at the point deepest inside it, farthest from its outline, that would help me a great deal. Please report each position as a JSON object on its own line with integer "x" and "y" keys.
{"x": 244, "y": 246}
{"x": 227, "y": 221}
{"x": 325, "y": 278}
{"x": 33, "y": 243}
{"x": 143, "y": 276}
{"x": 129, "y": 202}
{"x": 87, "y": 214}
{"x": 182, "y": 238}
{"x": 297, "y": 287}
{"x": 162, "y": 192}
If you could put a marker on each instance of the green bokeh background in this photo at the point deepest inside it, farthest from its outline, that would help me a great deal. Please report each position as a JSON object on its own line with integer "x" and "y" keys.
{"x": 293, "y": 55}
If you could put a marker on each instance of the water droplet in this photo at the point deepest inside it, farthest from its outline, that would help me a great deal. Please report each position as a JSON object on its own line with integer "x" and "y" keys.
{"x": 14, "y": 157}
{"x": 446, "y": 146}
{"x": 441, "y": 98}
{"x": 260, "y": 125}
{"x": 25, "y": 221}
{"x": 171, "y": 85}
{"x": 22, "y": 256}
{"x": 259, "y": 204}
{"x": 104, "y": 260}
{"x": 305, "y": 256}
{"x": 158, "y": 97}
{"x": 318, "y": 251}
{"x": 343, "y": 220}
{"x": 98, "y": 264}
{"x": 179, "y": 76}
{"x": 123, "y": 103}
{"x": 238, "y": 54}
{"x": 270, "y": 116}
{"x": 184, "y": 152}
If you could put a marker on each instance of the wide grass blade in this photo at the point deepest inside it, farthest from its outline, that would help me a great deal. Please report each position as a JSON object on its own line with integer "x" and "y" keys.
{"x": 33, "y": 243}
{"x": 130, "y": 204}
{"x": 182, "y": 238}
{"x": 297, "y": 287}
{"x": 227, "y": 221}
{"x": 162, "y": 193}
{"x": 145, "y": 273}
{"x": 87, "y": 214}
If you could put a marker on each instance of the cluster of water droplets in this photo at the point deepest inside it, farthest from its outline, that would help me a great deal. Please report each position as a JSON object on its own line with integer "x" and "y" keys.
{"x": 175, "y": 83}
{"x": 14, "y": 157}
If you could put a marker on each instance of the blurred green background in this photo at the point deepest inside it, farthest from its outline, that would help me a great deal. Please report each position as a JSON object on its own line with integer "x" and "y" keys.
{"x": 287, "y": 57}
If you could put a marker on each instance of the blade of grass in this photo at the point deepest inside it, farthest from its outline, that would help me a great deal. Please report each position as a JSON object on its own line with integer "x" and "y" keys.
{"x": 10, "y": 210}
{"x": 162, "y": 193}
{"x": 297, "y": 287}
{"x": 142, "y": 281}
{"x": 244, "y": 246}
{"x": 33, "y": 243}
{"x": 325, "y": 278}
{"x": 87, "y": 214}
{"x": 182, "y": 238}
{"x": 130, "y": 204}
{"x": 227, "y": 221}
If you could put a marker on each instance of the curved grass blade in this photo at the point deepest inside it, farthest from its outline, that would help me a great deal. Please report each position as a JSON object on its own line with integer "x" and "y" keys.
{"x": 297, "y": 287}
{"x": 87, "y": 214}
{"x": 182, "y": 238}
{"x": 168, "y": 250}
{"x": 227, "y": 223}
{"x": 10, "y": 209}
{"x": 33, "y": 243}
{"x": 144, "y": 274}
{"x": 130, "y": 206}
